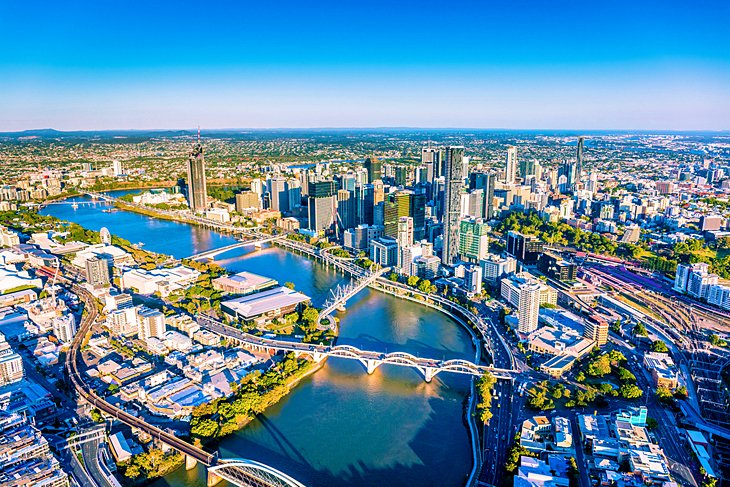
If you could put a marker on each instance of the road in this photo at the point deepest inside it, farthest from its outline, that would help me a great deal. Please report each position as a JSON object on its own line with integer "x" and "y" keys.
{"x": 90, "y": 453}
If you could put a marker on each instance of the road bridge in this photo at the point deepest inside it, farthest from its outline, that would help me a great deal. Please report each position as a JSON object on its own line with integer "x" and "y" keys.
{"x": 371, "y": 360}
{"x": 258, "y": 242}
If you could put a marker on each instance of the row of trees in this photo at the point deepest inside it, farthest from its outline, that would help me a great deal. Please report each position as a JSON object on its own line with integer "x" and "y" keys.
{"x": 484, "y": 388}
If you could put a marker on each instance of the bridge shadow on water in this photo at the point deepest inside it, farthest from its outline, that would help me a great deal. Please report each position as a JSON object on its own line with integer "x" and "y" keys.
{"x": 432, "y": 448}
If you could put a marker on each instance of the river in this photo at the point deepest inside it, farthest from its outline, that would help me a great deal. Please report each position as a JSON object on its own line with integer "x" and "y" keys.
{"x": 340, "y": 425}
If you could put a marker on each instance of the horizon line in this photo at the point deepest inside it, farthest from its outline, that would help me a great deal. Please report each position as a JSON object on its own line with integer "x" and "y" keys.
{"x": 384, "y": 127}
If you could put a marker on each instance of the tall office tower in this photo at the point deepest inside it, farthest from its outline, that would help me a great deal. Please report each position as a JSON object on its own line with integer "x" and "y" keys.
{"x": 348, "y": 182}
{"x": 404, "y": 236}
{"x": 321, "y": 205}
{"x": 279, "y": 193}
{"x": 257, "y": 187}
{"x": 431, "y": 157}
{"x": 404, "y": 203}
{"x": 401, "y": 175}
{"x": 579, "y": 161}
{"x": 484, "y": 181}
{"x": 421, "y": 175}
{"x": 473, "y": 203}
{"x": 365, "y": 204}
{"x": 97, "y": 271}
{"x": 303, "y": 177}
{"x": 473, "y": 240}
{"x": 247, "y": 200}
{"x": 452, "y": 203}
{"x": 378, "y": 192}
{"x": 528, "y": 167}
{"x": 375, "y": 168}
{"x": 510, "y": 167}
{"x": 566, "y": 177}
{"x": 197, "y": 191}
{"x": 294, "y": 189}
{"x": 345, "y": 209}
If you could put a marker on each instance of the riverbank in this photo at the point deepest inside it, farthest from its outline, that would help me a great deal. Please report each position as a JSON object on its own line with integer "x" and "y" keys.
{"x": 253, "y": 395}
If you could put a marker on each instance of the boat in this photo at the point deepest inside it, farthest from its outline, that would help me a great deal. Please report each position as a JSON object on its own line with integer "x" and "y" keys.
{"x": 75, "y": 205}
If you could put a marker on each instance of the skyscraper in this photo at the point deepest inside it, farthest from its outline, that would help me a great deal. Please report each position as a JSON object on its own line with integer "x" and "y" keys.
{"x": 197, "y": 191}
{"x": 322, "y": 205}
{"x": 97, "y": 271}
{"x": 510, "y": 167}
{"x": 452, "y": 202}
{"x": 345, "y": 209}
{"x": 579, "y": 161}
{"x": 375, "y": 168}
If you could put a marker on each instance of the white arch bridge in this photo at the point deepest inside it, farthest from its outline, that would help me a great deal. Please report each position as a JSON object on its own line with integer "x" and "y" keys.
{"x": 429, "y": 368}
{"x": 248, "y": 473}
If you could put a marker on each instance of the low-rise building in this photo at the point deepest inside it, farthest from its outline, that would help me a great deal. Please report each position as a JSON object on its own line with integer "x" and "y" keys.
{"x": 264, "y": 305}
{"x": 162, "y": 281}
{"x": 662, "y": 369}
{"x": 243, "y": 283}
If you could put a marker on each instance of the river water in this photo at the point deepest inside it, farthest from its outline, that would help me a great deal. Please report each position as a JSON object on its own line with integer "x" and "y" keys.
{"x": 339, "y": 426}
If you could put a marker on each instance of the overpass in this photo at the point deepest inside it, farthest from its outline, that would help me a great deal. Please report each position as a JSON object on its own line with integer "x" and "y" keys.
{"x": 429, "y": 368}
{"x": 236, "y": 472}
{"x": 209, "y": 254}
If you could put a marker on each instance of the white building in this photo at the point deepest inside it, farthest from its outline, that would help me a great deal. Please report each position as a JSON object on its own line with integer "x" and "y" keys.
{"x": 719, "y": 295}
{"x": 494, "y": 267}
{"x": 64, "y": 327}
{"x": 123, "y": 322}
{"x": 11, "y": 364}
{"x": 8, "y": 238}
{"x": 525, "y": 297}
{"x": 162, "y": 281}
{"x": 11, "y": 278}
{"x": 151, "y": 323}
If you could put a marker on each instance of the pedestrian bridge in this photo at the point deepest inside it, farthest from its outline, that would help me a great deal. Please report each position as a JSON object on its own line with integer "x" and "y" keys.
{"x": 428, "y": 367}
{"x": 341, "y": 294}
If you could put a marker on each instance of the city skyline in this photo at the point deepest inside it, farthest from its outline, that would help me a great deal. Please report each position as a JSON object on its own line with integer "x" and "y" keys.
{"x": 574, "y": 66}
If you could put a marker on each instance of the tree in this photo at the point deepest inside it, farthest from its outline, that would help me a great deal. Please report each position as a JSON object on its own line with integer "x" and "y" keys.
{"x": 599, "y": 367}
{"x": 413, "y": 281}
{"x": 651, "y": 423}
{"x": 309, "y": 317}
{"x": 289, "y": 284}
{"x": 640, "y": 330}
{"x": 681, "y": 393}
{"x": 664, "y": 394}
{"x": 630, "y": 391}
{"x": 625, "y": 375}
{"x": 659, "y": 346}
{"x": 425, "y": 286}
{"x": 393, "y": 277}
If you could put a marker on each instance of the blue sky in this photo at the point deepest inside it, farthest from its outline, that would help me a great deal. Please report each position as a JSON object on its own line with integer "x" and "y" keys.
{"x": 491, "y": 64}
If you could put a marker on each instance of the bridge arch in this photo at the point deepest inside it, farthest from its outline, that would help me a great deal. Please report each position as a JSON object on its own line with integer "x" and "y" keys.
{"x": 245, "y": 473}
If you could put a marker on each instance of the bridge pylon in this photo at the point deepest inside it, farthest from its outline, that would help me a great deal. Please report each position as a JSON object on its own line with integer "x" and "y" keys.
{"x": 190, "y": 462}
{"x": 371, "y": 365}
{"x": 213, "y": 479}
{"x": 430, "y": 373}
